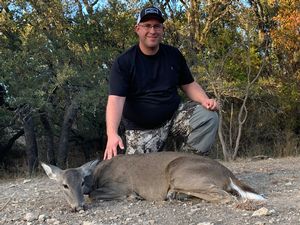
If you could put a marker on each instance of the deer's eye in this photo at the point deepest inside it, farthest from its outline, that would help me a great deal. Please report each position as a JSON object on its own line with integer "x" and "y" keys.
{"x": 65, "y": 186}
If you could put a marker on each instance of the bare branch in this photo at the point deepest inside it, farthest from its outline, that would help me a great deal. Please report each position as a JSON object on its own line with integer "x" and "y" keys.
{"x": 183, "y": 3}
{"x": 215, "y": 14}
{"x": 94, "y": 3}
{"x": 89, "y": 8}
{"x": 7, "y": 202}
{"x": 80, "y": 9}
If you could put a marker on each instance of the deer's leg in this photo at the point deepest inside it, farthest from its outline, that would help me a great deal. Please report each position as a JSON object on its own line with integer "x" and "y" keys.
{"x": 174, "y": 195}
{"x": 188, "y": 177}
{"x": 210, "y": 193}
{"x": 108, "y": 193}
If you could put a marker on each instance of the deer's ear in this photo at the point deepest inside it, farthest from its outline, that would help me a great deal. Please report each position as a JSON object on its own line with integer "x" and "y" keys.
{"x": 53, "y": 172}
{"x": 88, "y": 168}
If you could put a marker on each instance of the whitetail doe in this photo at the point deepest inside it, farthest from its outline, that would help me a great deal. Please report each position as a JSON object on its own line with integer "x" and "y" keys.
{"x": 152, "y": 176}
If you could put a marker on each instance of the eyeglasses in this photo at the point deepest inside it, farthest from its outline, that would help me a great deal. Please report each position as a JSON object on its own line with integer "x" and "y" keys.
{"x": 156, "y": 27}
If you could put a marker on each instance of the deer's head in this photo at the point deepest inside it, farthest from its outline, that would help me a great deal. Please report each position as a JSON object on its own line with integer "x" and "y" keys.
{"x": 74, "y": 182}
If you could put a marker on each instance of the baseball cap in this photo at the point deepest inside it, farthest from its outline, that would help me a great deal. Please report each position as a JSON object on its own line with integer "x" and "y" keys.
{"x": 150, "y": 12}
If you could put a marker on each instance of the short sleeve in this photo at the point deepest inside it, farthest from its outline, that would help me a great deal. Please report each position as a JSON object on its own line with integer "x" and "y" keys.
{"x": 186, "y": 76}
{"x": 119, "y": 78}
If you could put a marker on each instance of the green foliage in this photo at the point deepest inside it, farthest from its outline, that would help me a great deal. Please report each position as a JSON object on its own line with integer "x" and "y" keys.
{"x": 54, "y": 52}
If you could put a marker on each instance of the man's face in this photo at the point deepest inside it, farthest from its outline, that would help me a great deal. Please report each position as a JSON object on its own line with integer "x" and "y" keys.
{"x": 150, "y": 33}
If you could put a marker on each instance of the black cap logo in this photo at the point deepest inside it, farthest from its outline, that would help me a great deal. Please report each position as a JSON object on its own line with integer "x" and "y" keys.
{"x": 150, "y": 13}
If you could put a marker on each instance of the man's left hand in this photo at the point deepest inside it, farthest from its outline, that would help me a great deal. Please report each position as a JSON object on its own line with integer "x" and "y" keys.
{"x": 211, "y": 104}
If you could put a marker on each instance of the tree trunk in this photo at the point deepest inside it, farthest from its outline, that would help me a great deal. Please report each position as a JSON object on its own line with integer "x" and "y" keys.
{"x": 31, "y": 144}
{"x": 49, "y": 138}
{"x": 221, "y": 137}
{"x": 69, "y": 119}
{"x": 193, "y": 20}
{"x": 5, "y": 149}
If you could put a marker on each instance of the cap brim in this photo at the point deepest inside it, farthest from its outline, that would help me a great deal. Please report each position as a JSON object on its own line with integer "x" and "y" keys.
{"x": 152, "y": 16}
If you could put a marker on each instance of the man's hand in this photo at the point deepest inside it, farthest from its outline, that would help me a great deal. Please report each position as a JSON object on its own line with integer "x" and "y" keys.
{"x": 114, "y": 109}
{"x": 196, "y": 93}
{"x": 211, "y": 104}
{"x": 113, "y": 142}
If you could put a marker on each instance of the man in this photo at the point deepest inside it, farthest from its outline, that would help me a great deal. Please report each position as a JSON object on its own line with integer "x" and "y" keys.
{"x": 143, "y": 95}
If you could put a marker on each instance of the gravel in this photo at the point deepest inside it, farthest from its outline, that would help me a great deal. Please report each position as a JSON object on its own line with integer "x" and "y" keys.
{"x": 39, "y": 201}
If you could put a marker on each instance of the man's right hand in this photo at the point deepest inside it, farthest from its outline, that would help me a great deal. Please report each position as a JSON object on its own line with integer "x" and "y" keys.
{"x": 113, "y": 142}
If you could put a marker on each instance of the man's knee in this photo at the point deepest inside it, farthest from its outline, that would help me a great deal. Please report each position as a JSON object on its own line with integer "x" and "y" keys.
{"x": 204, "y": 124}
{"x": 204, "y": 118}
{"x": 213, "y": 120}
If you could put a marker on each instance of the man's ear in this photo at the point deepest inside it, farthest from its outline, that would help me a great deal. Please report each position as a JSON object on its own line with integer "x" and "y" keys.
{"x": 136, "y": 28}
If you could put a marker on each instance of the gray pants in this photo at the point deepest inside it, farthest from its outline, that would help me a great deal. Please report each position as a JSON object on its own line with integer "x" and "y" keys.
{"x": 192, "y": 128}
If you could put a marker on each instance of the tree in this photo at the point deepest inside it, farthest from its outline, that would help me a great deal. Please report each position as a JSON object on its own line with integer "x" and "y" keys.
{"x": 54, "y": 54}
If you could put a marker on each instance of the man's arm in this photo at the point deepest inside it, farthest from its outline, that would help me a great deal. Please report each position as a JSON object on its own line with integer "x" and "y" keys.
{"x": 196, "y": 93}
{"x": 114, "y": 110}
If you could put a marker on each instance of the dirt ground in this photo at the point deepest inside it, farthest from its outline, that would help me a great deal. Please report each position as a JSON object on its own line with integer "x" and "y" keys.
{"x": 38, "y": 201}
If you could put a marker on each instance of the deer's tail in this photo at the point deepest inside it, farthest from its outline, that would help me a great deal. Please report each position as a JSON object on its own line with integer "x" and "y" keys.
{"x": 244, "y": 191}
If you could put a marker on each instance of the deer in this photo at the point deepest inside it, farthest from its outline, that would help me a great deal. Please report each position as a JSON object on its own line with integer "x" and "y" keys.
{"x": 155, "y": 176}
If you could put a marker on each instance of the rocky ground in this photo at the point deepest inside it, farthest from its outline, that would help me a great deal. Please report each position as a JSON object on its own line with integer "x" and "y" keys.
{"x": 38, "y": 201}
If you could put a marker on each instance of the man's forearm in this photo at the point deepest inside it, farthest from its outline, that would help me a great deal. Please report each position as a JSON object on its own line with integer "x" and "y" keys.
{"x": 195, "y": 92}
{"x": 114, "y": 109}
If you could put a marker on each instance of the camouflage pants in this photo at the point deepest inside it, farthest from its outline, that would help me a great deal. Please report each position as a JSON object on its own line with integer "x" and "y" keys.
{"x": 192, "y": 128}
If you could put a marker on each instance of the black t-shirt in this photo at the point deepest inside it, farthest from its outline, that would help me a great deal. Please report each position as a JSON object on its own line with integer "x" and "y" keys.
{"x": 149, "y": 84}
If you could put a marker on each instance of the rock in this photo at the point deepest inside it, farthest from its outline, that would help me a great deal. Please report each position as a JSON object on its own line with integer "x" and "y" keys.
{"x": 272, "y": 212}
{"x": 81, "y": 211}
{"x": 29, "y": 217}
{"x": 26, "y": 181}
{"x": 261, "y": 212}
{"x": 52, "y": 221}
{"x": 42, "y": 218}
{"x": 87, "y": 223}
{"x": 260, "y": 223}
{"x": 151, "y": 222}
{"x": 272, "y": 220}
